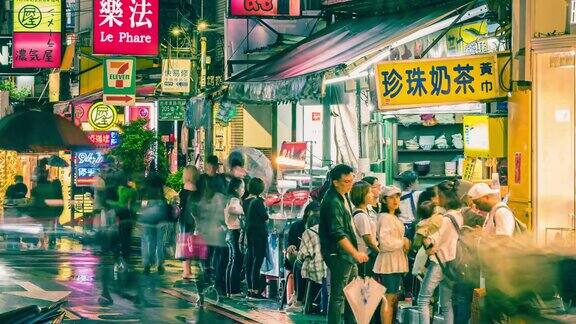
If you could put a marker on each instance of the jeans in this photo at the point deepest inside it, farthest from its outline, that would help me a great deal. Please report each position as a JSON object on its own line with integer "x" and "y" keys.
{"x": 463, "y": 294}
{"x": 257, "y": 245}
{"x": 153, "y": 241}
{"x": 299, "y": 282}
{"x": 341, "y": 273}
{"x": 432, "y": 279}
{"x": 234, "y": 267}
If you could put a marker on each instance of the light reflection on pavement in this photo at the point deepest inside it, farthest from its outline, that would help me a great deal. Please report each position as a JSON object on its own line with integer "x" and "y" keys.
{"x": 71, "y": 268}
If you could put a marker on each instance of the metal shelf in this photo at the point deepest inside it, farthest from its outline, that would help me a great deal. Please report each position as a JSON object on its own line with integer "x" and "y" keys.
{"x": 434, "y": 177}
{"x": 431, "y": 151}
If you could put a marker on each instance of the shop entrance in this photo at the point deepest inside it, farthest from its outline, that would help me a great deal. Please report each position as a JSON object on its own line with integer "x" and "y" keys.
{"x": 555, "y": 146}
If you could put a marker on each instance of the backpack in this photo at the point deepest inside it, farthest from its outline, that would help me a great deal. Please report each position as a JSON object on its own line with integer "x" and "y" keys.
{"x": 465, "y": 265}
{"x": 519, "y": 227}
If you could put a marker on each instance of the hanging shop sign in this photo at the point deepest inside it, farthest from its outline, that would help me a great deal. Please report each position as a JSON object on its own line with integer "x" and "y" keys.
{"x": 243, "y": 8}
{"x": 292, "y": 156}
{"x": 119, "y": 81}
{"x": 171, "y": 109}
{"x": 126, "y": 27}
{"x": 102, "y": 116}
{"x": 54, "y": 87}
{"x": 6, "y": 43}
{"x": 37, "y": 16}
{"x": 437, "y": 81}
{"x": 36, "y": 50}
{"x": 176, "y": 76}
{"x": 143, "y": 110}
{"x": 104, "y": 139}
{"x": 87, "y": 165}
{"x": 37, "y": 42}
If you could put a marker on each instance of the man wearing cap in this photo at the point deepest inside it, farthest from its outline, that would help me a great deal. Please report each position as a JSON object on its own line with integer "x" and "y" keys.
{"x": 338, "y": 241}
{"x": 500, "y": 220}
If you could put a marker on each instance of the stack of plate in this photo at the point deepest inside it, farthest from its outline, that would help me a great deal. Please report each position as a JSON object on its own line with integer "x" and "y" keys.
{"x": 450, "y": 168}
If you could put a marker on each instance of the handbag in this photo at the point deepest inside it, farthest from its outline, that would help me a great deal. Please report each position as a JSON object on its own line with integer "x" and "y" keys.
{"x": 190, "y": 245}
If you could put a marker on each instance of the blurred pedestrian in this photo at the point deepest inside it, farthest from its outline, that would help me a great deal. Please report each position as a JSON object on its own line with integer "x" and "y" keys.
{"x": 233, "y": 215}
{"x": 153, "y": 220}
{"x": 189, "y": 197}
{"x": 338, "y": 241}
{"x": 392, "y": 262}
{"x": 441, "y": 247}
{"x": 18, "y": 190}
{"x": 256, "y": 236}
{"x": 124, "y": 208}
{"x": 210, "y": 221}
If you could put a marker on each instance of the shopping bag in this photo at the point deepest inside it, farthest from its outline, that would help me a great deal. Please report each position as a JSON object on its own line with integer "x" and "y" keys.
{"x": 420, "y": 262}
{"x": 190, "y": 246}
{"x": 364, "y": 295}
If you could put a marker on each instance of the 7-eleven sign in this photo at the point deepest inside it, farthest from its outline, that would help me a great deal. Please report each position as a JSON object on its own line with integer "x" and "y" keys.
{"x": 119, "y": 81}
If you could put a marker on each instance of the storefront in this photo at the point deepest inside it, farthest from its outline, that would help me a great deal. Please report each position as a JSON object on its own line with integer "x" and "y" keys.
{"x": 554, "y": 139}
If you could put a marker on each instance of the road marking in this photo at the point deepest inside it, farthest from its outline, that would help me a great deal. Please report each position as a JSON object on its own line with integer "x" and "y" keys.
{"x": 35, "y": 292}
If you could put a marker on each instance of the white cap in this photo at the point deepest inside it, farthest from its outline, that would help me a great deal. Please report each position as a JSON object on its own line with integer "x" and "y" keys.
{"x": 480, "y": 190}
{"x": 388, "y": 191}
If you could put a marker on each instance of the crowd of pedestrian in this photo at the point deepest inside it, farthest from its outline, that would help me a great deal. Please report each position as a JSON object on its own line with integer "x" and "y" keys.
{"x": 396, "y": 235}
{"x": 349, "y": 229}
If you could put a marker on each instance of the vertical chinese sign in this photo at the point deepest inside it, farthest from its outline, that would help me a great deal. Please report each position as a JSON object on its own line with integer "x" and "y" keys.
{"x": 126, "y": 27}
{"x": 37, "y": 39}
{"x": 418, "y": 83}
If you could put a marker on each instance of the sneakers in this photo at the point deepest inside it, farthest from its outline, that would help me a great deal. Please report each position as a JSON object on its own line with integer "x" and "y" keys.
{"x": 105, "y": 301}
{"x": 294, "y": 308}
{"x": 238, "y": 295}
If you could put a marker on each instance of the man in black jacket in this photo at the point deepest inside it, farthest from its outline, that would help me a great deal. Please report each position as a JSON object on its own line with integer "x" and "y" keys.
{"x": 338, "y": 241}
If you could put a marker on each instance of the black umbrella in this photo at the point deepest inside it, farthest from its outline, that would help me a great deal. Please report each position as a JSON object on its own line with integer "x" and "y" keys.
{"x": 37, "y": 132}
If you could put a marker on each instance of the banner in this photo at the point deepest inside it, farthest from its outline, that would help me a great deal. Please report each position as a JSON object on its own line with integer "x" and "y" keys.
{"x": 243, "y": 8}
{"x": 126, "y": 27}
{"x": 292, "y": 156}
{"x": 420, "y": 83}
{"x": 176, "y": 76}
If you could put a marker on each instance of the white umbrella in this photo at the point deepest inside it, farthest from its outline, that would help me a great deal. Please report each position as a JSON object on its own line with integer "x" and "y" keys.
{"x": 364, "y": 295}
{"x": 257, "y": 165}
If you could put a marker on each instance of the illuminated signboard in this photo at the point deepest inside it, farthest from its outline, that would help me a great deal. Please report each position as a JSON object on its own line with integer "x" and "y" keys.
{"x": 128, "y": 27}
{"x": 271, "y": 8}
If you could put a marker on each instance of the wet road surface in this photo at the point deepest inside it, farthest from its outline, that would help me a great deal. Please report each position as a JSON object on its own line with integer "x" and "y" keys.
{"x": 77, "y": 274}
